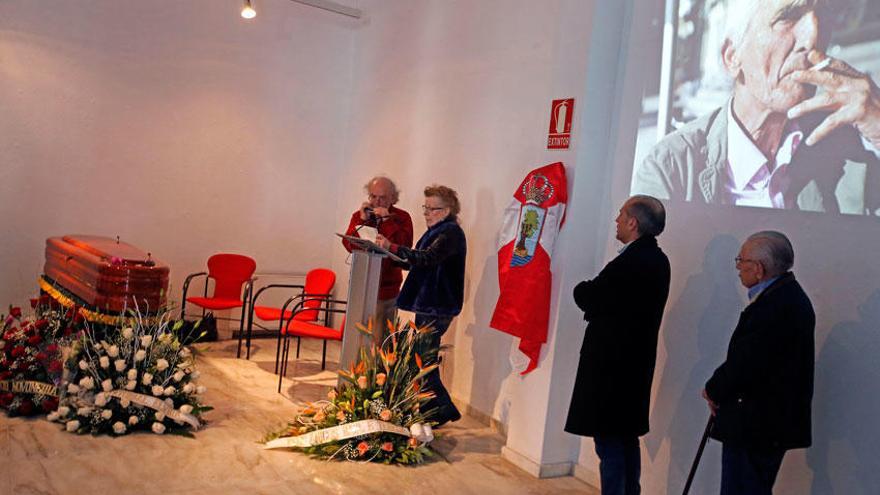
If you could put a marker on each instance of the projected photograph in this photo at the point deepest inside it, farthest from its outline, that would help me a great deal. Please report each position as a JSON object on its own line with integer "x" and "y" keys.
{"x": 764, "y": 103}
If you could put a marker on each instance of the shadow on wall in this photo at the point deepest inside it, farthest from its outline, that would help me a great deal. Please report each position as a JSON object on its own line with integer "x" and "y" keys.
{"x": 695, "y": 335}
{"x": 845, "y": 456}
{"x": 490, "y": 348}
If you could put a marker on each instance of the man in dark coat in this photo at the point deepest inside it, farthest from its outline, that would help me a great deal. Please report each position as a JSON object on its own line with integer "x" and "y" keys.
{"x": 624, "y": 306}
{"x": 761, "y": 395}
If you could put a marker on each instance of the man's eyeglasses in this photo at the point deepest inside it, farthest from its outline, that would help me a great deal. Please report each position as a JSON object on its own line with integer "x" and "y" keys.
{"x": 426, "y": 208}
{"x": 740, "y": 259}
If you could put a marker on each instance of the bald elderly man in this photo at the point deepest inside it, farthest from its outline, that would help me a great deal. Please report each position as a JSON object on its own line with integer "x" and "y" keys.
{"x": 378, "y": 212}
{"x": 761, "y": 395}
{"x": 778, "y": 142}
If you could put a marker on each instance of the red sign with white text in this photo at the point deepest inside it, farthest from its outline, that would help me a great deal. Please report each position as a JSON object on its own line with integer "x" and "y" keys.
{"x": 561, "y": 112}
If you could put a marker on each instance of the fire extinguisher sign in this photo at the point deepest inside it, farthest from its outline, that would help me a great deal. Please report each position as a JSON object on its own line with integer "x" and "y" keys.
{"x": 560, "y": 124}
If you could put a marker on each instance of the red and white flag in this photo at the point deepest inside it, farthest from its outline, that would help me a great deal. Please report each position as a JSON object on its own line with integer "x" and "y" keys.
{"x": 531, "y": 224}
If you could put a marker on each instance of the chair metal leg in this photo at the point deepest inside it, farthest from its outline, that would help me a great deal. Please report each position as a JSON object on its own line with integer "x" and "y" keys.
{"x": 324, "y": 356}
{"x": 283, "y": 365}
{"x": 278, "y": 348}
{"x": 297, "y": 347}
{"x": 240, "y": 333}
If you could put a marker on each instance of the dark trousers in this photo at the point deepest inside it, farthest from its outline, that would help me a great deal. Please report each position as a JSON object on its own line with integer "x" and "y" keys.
{"x": 746, "y": 471}
{"x": 446, "y": 410}
{"x": 620, "y": 464}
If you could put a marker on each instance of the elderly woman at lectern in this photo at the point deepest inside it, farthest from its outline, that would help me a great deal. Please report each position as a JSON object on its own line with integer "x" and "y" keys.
{"x": 434, "y": 289}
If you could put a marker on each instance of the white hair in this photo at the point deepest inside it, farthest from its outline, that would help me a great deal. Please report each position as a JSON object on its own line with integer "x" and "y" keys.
{"x": 740, "y": 13}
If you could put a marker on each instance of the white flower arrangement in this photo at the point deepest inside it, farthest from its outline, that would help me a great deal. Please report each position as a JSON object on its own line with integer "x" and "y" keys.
{"x": 150, "y": 385}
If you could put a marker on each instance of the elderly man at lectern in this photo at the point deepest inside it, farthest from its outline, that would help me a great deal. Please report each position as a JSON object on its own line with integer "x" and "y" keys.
{"x": 379, "y": 215}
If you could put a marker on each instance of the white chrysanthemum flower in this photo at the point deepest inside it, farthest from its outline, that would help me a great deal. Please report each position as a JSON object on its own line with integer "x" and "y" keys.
{"x": 160, "y": 416}
{"x": 132, "y": 420}
{"x": 185, "y": 352}
{"x": 161, "y": 364}
{"x": 106, "y": 414}
{"x": 147, "y": 378}
{"x": 119, "y": 364}
{"x": 165, "y": 338}
{"x": 189, "y": 388}
{"x": 113, "y": 351}
{"x": 157, "y": 390}
{"x": 169, "y": 390}
{"x": 84, "y": 411}
{"x": 107, "y": 385}
{"x": 130, "y": 385}
{"x": 87, "y": 383}
{"x": 52, "y": 416}
{"x": 186, "y": 409}
{"x": 146, "y": 340}
{"x": 63, "y": 411}
{"x": 119, "y": 427}
{"x": 195, "y": 375}
{"x": 169, "y": 402}
{"x": 179, "y": 376}
{"x": 104, "y": 361}
{"x": 158, "y": 428}
{"x": 140, "y": 355}
{"x": 72, "y": 425}
{"x": 124, "y": 403}
{"x": 132, "y": 374}
{"x": 127, "y": 333}
{"x": 72, "y": 388}
{"x": 83, "y": 365}
{"x": 100, "y": 400}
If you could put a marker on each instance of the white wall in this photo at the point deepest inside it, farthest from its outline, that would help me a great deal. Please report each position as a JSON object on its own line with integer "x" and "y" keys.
{"x": 176, "y": 125}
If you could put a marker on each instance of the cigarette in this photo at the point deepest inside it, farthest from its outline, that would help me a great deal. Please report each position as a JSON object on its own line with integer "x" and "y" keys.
{"x": 821, "y": 65}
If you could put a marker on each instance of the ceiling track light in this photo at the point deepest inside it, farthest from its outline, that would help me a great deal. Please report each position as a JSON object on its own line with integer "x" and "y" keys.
{"x": 247, "y": 10}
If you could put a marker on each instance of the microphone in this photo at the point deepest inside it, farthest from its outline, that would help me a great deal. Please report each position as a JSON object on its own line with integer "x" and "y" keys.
{"x": 372, "y": 216}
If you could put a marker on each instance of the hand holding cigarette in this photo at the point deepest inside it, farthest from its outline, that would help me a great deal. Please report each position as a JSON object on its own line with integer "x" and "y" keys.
{"x": 851, "y": 97}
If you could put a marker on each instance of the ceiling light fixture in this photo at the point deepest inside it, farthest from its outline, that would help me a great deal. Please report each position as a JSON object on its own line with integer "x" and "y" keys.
{"x": 247, "y": 10}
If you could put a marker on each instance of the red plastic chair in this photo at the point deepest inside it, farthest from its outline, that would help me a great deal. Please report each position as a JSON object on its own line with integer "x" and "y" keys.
{"x": 293, "y": 327}
{"x": 230, "y": 272}
{"x": 318, "y": 281}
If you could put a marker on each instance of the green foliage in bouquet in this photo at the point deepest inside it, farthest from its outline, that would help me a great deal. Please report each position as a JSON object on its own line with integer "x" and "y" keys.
{"x": 30, "y": 356}
{"x": 384, "y": 385}
{"x": 137, "y": 377}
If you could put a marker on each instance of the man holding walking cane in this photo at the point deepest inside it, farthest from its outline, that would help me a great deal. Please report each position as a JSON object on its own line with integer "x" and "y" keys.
{"x": 761, "y": 395}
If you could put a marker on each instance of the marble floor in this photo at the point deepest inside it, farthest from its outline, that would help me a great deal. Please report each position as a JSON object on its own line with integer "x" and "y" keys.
{"x": 36, "y": 457}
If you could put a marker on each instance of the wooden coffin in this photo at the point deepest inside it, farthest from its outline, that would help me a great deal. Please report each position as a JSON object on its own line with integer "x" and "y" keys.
{"x": 106, "y": 274}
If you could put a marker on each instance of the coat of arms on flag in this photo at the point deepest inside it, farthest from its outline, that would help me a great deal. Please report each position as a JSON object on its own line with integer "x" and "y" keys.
{"x": 531, "y": 222}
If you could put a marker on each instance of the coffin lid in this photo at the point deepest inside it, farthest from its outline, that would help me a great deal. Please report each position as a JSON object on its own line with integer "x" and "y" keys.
{"x": 107, "y": 248}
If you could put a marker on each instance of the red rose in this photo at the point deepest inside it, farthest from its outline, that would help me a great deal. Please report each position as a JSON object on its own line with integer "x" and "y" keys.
{"x": 5, "y": 399}
{"x": 35, "y": 340}
{"x": 41, "y": 356}
{"x": 362, "y": 448}
{"x": 26, "y": 408}
{"x": 41, "y": 324}
{"x": 18, "y": 351}
{"x": 15, "y": 313}
{"x": 34, "y": 302}
{"x": 9, "y": 335}
{"x": 54, "y": 367}
{"x": 5, "y": 375}
{"x": 49, "y": 404}
{"x": 51, "y": 348}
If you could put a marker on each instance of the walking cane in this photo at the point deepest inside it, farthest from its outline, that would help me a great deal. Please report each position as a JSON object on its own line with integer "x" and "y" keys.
{"x": 687, "y": 486}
